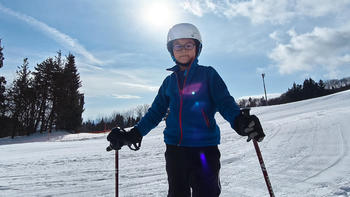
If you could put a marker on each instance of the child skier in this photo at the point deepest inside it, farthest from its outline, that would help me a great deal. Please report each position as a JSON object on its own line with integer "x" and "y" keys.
{"x": 191, "y": 95}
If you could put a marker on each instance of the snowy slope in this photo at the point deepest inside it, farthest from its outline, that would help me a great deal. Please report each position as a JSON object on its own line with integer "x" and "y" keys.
{"x": 306, "y": 153}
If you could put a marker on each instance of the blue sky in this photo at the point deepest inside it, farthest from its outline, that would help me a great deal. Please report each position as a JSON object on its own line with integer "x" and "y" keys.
{"x": 120, "y": 46}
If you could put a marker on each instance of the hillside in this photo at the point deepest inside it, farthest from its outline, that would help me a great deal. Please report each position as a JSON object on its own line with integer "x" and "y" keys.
{"x": 306, "y": 152}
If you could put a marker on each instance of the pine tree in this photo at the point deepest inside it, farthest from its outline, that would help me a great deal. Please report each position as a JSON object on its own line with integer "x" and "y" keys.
{"x": 1, "y": 56}
{"x": 5, "y": 121}
{"x": 71, "y": 101}
{"x": 56, "y": 90}
{"x": 310, "y": 89}
{"x": 43, "y": 78}
{"x": 22, "y": 101}
{"x": 294, "y": 94}
{"x": 2, "y": 85}
{"x": 322, "y": 88}
{"x": 119, "y": 121}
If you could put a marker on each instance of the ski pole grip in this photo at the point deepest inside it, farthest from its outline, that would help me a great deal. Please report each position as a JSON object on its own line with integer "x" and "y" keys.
{"x": 245, "y": 112}
{"x": 109, "y": 148}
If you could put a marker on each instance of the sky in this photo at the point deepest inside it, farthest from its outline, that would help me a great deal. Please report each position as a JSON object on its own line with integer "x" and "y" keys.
{"x": 120, "y": 46}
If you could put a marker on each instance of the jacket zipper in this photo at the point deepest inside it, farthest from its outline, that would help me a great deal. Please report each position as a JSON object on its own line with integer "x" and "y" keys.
{"x": 181, "y": 104}
{"x": 205, "y": 118}
{"x": 181, "y": 100}
{"x": 180, "y": 118}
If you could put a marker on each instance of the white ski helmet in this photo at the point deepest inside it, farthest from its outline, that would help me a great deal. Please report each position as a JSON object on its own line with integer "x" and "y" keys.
{"x": 184, "y": 30}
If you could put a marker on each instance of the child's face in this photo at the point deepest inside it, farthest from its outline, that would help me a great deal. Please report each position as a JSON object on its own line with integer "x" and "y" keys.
{"x": 184, "y": 50}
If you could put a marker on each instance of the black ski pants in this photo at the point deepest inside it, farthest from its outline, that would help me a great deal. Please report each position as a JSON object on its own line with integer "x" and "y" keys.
{"x": 193, "y": 169}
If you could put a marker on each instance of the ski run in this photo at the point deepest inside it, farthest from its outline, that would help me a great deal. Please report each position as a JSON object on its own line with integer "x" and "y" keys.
{"x": 306, "y": 153}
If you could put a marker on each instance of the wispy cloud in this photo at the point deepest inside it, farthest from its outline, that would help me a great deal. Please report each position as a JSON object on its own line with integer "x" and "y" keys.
{"x": 140, "y": 86}
{"x": 125, "y": 96}
{"x": 322, "y": 49}
{"x": 274, "y": 11}
{"x": 60, "y": 37}
{"x": 102, "y": 83}
{"x": 195, "y": 7}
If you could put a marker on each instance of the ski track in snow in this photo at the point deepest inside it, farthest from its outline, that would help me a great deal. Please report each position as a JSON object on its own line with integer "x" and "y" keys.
{"x": 306, "y": 153}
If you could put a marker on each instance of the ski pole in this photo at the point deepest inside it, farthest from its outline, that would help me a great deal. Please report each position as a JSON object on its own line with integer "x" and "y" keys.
{"x": 117, "y": 145}
{"x": 263, "y": 168}
{"x": 116, "y": 170}
{"x": 246, "y": 112}
{"x": 116, "y": 173}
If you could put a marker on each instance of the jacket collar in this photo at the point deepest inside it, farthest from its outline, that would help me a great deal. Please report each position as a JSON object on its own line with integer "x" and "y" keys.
{"x": 177, "y": 67}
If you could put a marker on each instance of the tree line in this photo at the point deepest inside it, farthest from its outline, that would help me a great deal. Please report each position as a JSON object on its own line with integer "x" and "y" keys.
{"x": 309, "y": 89}
{"x": 41, "y": 100}
{"x": 122, "y": 120}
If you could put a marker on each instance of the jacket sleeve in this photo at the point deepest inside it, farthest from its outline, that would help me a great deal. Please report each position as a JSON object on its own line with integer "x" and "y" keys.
{"x": 223, "y": 101}
{"x": 156, "y": 112}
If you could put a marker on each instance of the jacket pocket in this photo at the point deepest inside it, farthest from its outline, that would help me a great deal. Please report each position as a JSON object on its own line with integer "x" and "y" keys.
{"x": 205, "y": 117}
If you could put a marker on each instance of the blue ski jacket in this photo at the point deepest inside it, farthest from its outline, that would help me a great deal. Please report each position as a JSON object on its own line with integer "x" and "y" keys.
{"x": 190, "y": 121}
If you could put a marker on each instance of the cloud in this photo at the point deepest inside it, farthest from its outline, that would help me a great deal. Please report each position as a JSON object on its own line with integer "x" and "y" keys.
{"x": 125, "y": 96}
{"x": 277, "y": 36}
{"x": 323, "y": 48}
{"x": 274, "y": 11}
{"x": 60, "y": 37}
{"x": 317, "y": 8}
{"x": 139, "y": 86}
{"x": 194, "y": 6}
{"x": 101, "y": 83}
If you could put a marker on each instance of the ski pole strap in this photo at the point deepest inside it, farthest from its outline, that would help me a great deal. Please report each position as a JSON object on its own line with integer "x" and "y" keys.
{"x": 135, "y": 146}
{"x": 118, "y": 137}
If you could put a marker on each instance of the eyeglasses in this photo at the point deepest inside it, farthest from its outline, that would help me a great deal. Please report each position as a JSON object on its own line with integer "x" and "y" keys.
{"x": 188, "y": 46}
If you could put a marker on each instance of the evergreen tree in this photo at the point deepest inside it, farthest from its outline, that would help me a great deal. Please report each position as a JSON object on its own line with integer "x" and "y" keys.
{"x": 2, "y": 85}
{"x": 71, "y": 101}
{"x": 310, "y": 89}
{"x": 56, "y": 89}
{"x": 43, "y": 78}
{"x": 1, "y": 56}
{"x": 101, "y": 125}
{"x": 294, "y": 94}
{"x": 119, "y": 121}
{"x": 5, "y": 121}
{"x": 22, "y": 101}
{"x": 322, "y": 88}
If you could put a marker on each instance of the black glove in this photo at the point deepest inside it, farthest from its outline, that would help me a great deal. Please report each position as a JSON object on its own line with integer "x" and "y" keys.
{"x": 249, "y": 125}
{"x": 119, "y": 137}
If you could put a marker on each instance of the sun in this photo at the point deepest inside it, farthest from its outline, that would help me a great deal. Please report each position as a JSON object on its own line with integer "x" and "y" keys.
{"x": 158, "y": 15}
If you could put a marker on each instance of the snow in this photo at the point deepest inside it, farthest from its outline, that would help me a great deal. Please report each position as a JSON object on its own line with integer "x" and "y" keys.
{"x": 306, "y": 153}
{"x": 259, "y": 96}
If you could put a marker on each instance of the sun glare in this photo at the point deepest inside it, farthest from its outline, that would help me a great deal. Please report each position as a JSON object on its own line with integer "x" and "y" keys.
{"x": 159, "y": 15}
